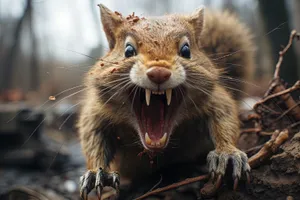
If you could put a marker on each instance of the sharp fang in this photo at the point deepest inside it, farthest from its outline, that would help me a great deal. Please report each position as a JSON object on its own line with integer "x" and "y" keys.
{"x": 147, "y": 139}
{"x": 169, "y": 96}
{"x": 148, "y": 96}
{"x": 163, "y": 140}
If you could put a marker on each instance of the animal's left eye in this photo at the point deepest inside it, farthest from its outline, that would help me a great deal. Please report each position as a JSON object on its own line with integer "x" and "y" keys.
{"x": 129, "y": 51}
{"x": 185, "y": 51}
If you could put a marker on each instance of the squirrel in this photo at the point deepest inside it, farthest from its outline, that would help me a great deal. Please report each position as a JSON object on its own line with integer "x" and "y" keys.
{"x": 164, "y": 77}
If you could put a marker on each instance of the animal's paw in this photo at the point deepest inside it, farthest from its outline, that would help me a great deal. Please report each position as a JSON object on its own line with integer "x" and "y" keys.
{"x": 98, "y": 179}
{"x": 218, "y": 161}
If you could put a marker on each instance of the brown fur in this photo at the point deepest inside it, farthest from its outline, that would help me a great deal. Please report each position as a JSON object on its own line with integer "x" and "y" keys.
{"x": 105, "y": 124}
{"x": 228, "y": 44}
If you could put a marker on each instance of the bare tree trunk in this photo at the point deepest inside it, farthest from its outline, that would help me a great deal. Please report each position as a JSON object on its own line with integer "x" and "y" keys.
{"x": 8, "y": 63}
{"x": 275, "y": 13}
{"x": 34, "y": 68}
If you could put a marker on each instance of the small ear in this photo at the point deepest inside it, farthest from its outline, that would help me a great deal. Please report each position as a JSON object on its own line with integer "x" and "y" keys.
{"x": 196, "y": 19}
{"x": 110, "y": 21}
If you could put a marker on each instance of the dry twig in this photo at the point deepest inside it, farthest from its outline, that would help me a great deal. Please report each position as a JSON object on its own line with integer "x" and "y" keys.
{"x": 174, "y": 185}
{"x": 276, "y": 78}
{"x": 293, "y": 35}
{"x": 251, "y": 130}
{"x": 286, "y": 112}
{"x": 285, "y": 95}
{"x": 253, "y": 150}
{"x": 296, "y": 86}
{"x": 269, "y": 148}
{"x": 277, "y": 87}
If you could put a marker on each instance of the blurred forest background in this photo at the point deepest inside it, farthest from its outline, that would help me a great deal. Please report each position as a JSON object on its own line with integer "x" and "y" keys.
{"x": 46, "y": 46}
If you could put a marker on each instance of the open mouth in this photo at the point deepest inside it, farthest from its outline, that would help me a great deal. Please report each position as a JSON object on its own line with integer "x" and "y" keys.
{"x": 155, "y": 112}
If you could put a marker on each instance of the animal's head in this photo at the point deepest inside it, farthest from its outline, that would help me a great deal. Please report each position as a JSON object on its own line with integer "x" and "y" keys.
{"x": 155, "y": 73}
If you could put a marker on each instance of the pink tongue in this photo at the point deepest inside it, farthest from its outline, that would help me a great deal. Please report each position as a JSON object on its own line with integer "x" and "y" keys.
{"x": 153, "y": 118}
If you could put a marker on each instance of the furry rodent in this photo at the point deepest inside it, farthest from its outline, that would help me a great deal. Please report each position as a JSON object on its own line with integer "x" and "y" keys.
{"x": 186, "y": 61}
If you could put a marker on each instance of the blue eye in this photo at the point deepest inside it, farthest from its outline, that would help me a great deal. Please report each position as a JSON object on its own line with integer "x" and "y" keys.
{"x": 185, "y": 51}
{"x": 129, "y": 51}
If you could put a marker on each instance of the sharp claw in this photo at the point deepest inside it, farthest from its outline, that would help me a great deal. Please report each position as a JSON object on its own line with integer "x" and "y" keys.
{"x": 99, "y": 192}
{"x": 116, "y": 186}
{"x": 116, "y": 183}
{"x": 217, "y": 164}
{"x": 235, "y": 185}
{"x": 219, "y": 180}
{"x": 84, "y": 194}
{"x": 248, "y": 177}
{"x": 212, "y": 175}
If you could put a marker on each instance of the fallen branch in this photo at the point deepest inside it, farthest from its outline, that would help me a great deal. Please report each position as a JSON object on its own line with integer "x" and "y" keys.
{"x": 174, "y": 185}
{"x": 296, "y": 86}
{"x": 269, "y": 148}
{"x": 253, "y": 150}
{"x": 289, "y": 101}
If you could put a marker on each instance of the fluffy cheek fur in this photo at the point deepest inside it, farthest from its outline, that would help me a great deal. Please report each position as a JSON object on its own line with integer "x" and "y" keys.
{"x": 199, "y": 86}
{"x": 138, "y": 75}
{"x": 112, "y": 87}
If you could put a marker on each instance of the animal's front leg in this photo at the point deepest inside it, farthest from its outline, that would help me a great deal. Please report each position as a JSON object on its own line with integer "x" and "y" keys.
{"x": 99, "y": 146}
{"x": 224, "y": 130}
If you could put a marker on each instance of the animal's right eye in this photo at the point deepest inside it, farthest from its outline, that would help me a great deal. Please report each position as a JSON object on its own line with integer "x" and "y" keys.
{"x": 185, "y": 51}
{"x": 129, "y": 51}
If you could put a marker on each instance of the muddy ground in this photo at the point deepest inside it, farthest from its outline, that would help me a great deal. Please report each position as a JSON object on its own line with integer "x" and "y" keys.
{"x": 277, "y": 178}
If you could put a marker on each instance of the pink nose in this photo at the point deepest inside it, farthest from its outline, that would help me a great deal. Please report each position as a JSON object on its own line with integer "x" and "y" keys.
{"x": 158, "y": 75}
